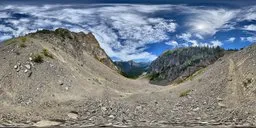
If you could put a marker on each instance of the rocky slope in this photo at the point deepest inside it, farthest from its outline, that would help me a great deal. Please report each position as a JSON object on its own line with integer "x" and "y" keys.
{"x": 44, "y": 74}
{"x": 132, "y": 69}
{"x": 75, "y": 44}
{"x": 70, "y": 90}
{"x": 181, "y": 63}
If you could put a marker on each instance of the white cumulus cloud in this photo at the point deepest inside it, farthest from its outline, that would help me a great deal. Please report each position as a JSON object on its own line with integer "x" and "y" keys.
{"x": 250, "y": 27}
{"x": 231, "y": 39}
{"x": 216, "y": 43}
{"x": 172, "y": 43}
{"x": 249, "y": 39}
{"x": 208, "y": 22}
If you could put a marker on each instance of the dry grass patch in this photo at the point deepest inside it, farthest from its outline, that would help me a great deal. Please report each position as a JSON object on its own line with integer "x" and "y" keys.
{"x": 47, "y": 53}
{"x": 185, "y": 93}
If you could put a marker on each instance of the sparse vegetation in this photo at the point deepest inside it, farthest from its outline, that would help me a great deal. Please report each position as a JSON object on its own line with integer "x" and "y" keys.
{"x": 247, "y": 82}
{"x": 22, "y": 45}
{"x": 183, "y": 62}
{"x": 232, "y": 49}
{"x": 179, "y": 81}
{"x": 185, "y": 93}
{"x": 37, "y": 58}
{"x": 168, "y": 52}
{"x": 153, "y": 76}
{"x": 23, "y": 39}
{"x": 131, "y": 69}
{"x": 191, "y": 77}
{"x": 10, "y": 41}
{"x": 44, "y": 31}
{"x": 196, "y": 74}
{"x": 63, "y": 33}
{"x": 47, "y": 53}
{"x": 17, "y": 52}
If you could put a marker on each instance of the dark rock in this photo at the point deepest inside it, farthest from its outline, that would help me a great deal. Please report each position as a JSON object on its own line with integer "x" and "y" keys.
{"x": 29, "y": 74}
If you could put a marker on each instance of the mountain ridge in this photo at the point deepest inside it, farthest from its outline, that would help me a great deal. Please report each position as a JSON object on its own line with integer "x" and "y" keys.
{"x": 79, "y": 42}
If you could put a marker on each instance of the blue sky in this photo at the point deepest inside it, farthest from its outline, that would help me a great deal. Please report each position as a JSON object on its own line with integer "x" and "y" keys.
{"x": 137, "y": 30}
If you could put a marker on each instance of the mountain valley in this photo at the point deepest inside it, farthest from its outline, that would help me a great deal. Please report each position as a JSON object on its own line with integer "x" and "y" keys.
{"x": 62, "y": 78}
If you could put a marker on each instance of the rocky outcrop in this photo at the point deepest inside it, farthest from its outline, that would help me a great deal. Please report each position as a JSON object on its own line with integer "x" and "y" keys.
{"x": 180, "y": 63}
{"x": 76, "y": 44}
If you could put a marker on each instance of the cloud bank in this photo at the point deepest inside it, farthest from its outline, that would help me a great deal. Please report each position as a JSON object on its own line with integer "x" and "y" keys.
{"x": 126, "y": 31}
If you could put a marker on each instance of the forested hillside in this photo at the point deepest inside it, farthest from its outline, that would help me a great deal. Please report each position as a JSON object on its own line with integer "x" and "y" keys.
{"x": 181, "y": 63}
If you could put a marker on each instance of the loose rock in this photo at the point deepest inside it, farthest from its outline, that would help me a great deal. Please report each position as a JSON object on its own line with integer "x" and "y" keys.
{"x": 28, "y": 66}
{"x": 15, "y": 66}
{"x": 46, "y": 123}
{"x": 72, "y": 115}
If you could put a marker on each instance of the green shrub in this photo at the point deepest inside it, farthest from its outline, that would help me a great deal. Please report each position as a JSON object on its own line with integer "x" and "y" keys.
{"x": 23, "y": 39}
{"x": 44, "y": 31}
{"x": 153, "y": 76}
{"x": 47, "y": 53}
{"x": 23, "y": 45}
{"x": 191, "y": 77}
{"x": 185, "y": 93}
{"x": 37, "y": 58}
{"x": 179, "y": 81}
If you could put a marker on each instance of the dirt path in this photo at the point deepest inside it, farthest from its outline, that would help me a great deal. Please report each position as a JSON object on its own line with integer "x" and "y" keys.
{"x": 237, "y": 92}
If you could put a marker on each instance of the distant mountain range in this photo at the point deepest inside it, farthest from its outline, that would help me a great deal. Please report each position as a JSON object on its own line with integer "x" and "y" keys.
{"x": 132, "y": 69}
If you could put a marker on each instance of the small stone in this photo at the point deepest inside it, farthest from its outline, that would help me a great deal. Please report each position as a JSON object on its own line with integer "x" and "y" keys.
{"x": 29, "y": 74}
{"x": 60, "y": 82}
{"x": 111, "y": 116}
{"x": 15, "y": 66}
{"x": 46, "y": 123}
{"x": 108, "y": 124}
{"x": 28, "y": 66}
{"x": 30, "y": 58}
{"x": 203, "y": 123}
{"x": 28, "y": 102}
{"x": 73, "y": 115}
{"x": 103, "y": 109}
{"x": 219, "y": 99}
{"x": 139, "y": 107}
{"x": 51, "y": 65}
{"x": 163, "y": 122}
{"x": 222, "y": 105}
{"x": 66, "y": 88}
{"x": 32, "y": 64}
{"x": 198, "y": 118}
{"x": 212, "y": 120}
{"x": 196, "y": 109}
{"x": 25, "y": 70}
